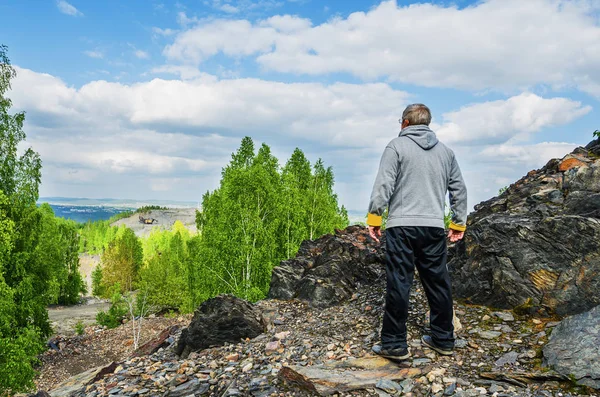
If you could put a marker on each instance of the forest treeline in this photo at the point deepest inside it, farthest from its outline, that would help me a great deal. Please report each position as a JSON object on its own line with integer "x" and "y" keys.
{"x": 39, "y": 263}
{"x": 258, "y": 216}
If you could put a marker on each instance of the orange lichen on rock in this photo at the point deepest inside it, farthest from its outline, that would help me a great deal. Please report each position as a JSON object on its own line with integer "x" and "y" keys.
{"x": 570, "y": 163}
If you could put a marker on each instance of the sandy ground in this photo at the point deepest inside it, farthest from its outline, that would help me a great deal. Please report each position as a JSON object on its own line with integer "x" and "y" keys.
{"x": 87, "y": 264}
{"x": 64, "y": 318}
{"x": 165, "y": 218}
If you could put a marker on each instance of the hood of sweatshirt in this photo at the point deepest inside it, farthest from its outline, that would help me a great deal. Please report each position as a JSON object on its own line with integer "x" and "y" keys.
{"x": 421, "y": 135}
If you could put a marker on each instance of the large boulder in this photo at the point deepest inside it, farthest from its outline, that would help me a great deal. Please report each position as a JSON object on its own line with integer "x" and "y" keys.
{"x": 537, "y": 244}
{"x": 329, "y": 270}
{"x": 573, "y": 349}
{"x": 221, "y": 320}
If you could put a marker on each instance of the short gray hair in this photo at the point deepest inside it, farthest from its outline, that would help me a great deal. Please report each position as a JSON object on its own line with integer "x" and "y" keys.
{"x": 416, "y": 114}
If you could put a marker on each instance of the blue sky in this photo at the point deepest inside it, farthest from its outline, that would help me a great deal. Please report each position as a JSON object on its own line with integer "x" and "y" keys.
{"x": 147, "y": 99}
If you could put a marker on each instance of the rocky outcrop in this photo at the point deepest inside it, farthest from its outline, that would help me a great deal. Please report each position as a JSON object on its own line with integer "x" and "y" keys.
{"x": 329, "y": 270}
{"x": 573, "y": 348}
{"x": 536, "y": 245}
{"x": 221, "y": 320}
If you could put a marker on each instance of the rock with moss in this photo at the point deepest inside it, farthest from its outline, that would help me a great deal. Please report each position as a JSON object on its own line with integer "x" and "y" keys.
{"x": 536, "y": 245}
{"x": 573, "y": 348}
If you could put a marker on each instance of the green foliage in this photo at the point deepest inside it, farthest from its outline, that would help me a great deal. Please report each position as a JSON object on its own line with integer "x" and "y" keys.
{"x": 94, "y": 237}
{"x": 98, "y": 287}
{"x": 25, "y": 280}
{"x": 116, "y": 312}
{"x": 79, "y": 328}
{"x": 122, "y": 260}
{"x": 17, "y": 360}
{"x": 447, "y": 218}
{"x": 258, "y": 216}
{"x": 119, "y": 216}
{"x": 165, "y": 274}
{"x": 596, "y": 134}
{"x": 502, "y": 190}
{"x": 58, "y": 249}
{"x": 147, "y": 208}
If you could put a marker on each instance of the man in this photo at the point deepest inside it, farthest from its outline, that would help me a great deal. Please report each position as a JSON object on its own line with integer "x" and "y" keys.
{"x": 415, "y": 173}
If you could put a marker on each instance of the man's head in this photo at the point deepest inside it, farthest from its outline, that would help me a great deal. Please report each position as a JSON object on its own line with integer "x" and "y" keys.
{"x": 415, "y": 114}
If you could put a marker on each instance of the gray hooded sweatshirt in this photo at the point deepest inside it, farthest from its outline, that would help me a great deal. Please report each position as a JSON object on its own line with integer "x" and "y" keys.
{"x": 415, "y": 173}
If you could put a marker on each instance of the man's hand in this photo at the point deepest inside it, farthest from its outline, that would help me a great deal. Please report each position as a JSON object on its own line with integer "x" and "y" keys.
{"x": 455, "y": 235}
{"x": 375, "y": 232}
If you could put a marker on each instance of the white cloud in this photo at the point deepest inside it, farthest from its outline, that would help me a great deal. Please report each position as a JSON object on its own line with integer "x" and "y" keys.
{"x": 189, "y": 128}
{"x": 228, "y": 8}
{"x": 286, "y": 23}
{"x": 141, "y": 54}
{"x": 497, "y": 44}
{"x": 184, "y": 72}
{"x": 94, "y": 54}
{"x": 163, "y": 32}
{"x": 498, "y": 121}
{"x": 186, "y": 131}
{"x": 234, "y": 38}
{"x": 68, "y": 9}
{"x": 184, "y": 20}
{"x": 534, "y": 155}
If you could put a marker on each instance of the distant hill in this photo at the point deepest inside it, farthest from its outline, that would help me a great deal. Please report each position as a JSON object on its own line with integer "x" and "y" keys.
{"x": 85, "y": 209}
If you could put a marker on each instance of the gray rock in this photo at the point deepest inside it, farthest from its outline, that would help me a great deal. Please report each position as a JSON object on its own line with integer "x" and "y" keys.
{"x": 450, "y": 390}
{"x": 388, "y": 385}
{"x": 508, "y": 358}
{"x": 192, "y": 387}
{"x": 489, "y": 334}
{"x": 221, "y": 320}
{"x": 407, "y": 385}
{"x": 505, "y": 316}
{"x": 495, "y": 388}
{"x": 524, "y": 249}
{"x": 328, "y": 271}
{"x": 573, "y": 348}
{"x": 421, "y": 361}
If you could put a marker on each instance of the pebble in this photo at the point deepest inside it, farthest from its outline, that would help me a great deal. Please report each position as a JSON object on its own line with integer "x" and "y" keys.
{"x": 505, "y": 316}
{"x": 272, "y": 347}
{"x": 450, "y": 390}
{"x": 388, "y": 386}
{"x": 489, "y": 334}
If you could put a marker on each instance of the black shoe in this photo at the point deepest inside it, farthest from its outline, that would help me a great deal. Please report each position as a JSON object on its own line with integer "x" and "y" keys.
{"x": 392, "y": 354}
{"x": 428, "y": 342}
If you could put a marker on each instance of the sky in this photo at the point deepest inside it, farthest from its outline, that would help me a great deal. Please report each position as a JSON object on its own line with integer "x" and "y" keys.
{"x": 147, "y": 99}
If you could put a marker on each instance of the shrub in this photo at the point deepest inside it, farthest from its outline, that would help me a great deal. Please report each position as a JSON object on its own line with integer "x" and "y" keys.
{"x": 79, "y": 327}
{"x": 117, "y": 311}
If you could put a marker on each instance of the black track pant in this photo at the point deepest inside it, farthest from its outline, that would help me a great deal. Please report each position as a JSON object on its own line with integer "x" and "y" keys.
{"x": 425, "y": 248}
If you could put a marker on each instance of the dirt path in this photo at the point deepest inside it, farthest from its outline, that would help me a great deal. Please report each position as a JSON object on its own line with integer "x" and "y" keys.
{"x": 64, "y": 318}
